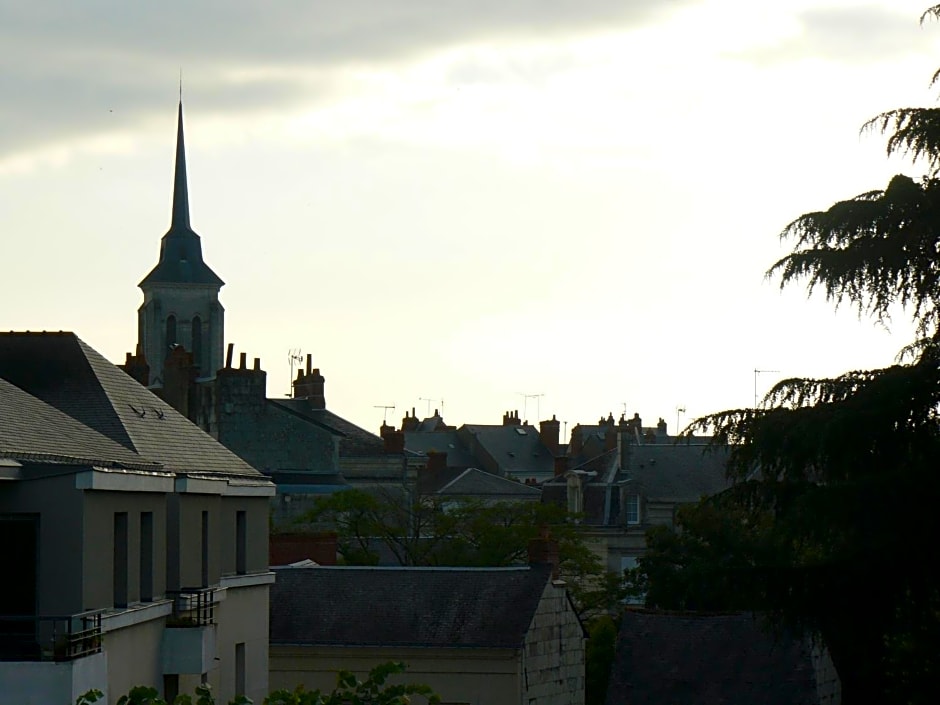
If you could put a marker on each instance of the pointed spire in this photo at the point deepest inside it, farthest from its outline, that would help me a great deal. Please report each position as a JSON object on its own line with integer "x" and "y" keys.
{"x": 180, "y": 188}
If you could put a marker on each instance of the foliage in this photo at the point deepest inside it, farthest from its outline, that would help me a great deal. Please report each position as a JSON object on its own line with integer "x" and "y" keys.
{"x": 831, "y": 523}
{"x": 431, "y": 532}
{"x": 352, "y": 691}
{"x": 349, "y": 691}
{"x": 599, "y": 657}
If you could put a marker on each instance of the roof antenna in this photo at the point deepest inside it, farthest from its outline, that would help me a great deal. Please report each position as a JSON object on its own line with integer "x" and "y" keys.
{"x": 181, "y": 84}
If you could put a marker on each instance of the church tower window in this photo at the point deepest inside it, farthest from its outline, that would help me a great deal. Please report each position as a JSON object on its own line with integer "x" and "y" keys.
{"x": 197, "y": 341}
{"x": 170, "y": 331}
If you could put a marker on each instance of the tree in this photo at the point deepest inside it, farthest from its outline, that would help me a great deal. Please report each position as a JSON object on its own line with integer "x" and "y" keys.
{"x": 374, "y": 690}
{"x": 832, "y": 521}
{"x": 432, "y": 532}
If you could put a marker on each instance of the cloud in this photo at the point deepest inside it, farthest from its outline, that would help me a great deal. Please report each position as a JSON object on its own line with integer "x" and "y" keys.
{"x": 69, "y": 69}
{"x": 852, "y": 35}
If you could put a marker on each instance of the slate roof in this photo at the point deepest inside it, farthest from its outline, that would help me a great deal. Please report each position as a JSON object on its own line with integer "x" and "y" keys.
{"x": 441, "y": 441}
{"x": 518, "y": 449}
{"x": 64, "y": 372}
{"x": 679, "y": 472}
{"x": 355, "y": 441}
{"x": 476, "y": 482}
{"x": 707, "y": 660}
{"x": 406, "y": 607}
{"x": 33, "y": 431}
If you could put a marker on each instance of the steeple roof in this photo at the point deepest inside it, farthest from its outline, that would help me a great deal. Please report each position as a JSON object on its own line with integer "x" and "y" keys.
{"x": 181, "y": 249}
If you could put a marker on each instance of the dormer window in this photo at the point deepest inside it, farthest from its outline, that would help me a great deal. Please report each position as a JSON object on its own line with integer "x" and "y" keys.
{"x": 631, "y": 509}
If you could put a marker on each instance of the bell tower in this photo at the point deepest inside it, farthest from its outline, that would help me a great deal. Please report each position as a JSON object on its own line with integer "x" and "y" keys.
{"x": 181, "y": 294}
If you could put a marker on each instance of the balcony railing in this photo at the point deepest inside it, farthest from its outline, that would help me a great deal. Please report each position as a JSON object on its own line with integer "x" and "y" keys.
{"x": 192, "y": 607}
{"x": 54, "y": 638}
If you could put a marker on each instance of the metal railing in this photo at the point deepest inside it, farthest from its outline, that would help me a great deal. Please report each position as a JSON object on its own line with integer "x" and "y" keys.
{"x": 192, "y": 607}
{"x": 50, "y": 638}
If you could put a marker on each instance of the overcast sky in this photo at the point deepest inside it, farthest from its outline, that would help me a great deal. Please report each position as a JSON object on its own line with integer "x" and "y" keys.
{"x": 459, "y": 201}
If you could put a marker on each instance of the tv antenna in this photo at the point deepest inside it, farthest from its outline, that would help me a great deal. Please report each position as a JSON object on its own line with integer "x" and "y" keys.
{"x": 679, "y": 410}
{"x": 294, "y": 358}
{"x": 385, "y": 409}
{"x": 525, "y": 405}
{"x": 429, "y": 404}
{"x": 756, "y": 373}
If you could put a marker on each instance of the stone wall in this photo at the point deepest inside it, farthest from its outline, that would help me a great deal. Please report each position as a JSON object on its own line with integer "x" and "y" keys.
{"x": 553, "y": 660}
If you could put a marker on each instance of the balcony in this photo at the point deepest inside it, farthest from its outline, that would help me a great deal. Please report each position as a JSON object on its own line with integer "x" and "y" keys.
{"x": 51, "y": 659}
{"x": 192, "y": 607}
{"x": 50, "y": 638}
{"x": 189, "y": 639}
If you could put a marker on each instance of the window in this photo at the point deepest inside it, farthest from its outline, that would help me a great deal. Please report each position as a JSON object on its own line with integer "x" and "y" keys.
{"x": 146, "y": 556}
{"x": 241, "y": 542}
{"x": 171, "y": 687}
{"x": 119, "y": 563}
{"x": 240, "y": 668}
{"x": 631, "y": 509}
{"x": 197, "y": 341}
{"x": 170, "y": 331}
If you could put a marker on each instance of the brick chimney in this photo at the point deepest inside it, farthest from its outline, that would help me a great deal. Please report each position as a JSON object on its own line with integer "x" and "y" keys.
{"x": 179, "y": 376}
{"x": 136, "y": 366}
{"x": 561, "y": 465}
{"x": 610, "y": 437}
{"x": 310, "y": 385}
{"x": 394, "y": 441}
{"x": 511, "y": 418}
{"x": 437, "y": 460}
{"x": 544, "y": 549}
{"x": 409, "y": 423}
{"x": 548, "y": 433}
{"x": 577, "y": 442}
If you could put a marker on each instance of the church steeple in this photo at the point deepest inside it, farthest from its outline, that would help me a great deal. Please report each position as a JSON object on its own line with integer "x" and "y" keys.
{"x": 180, "y": 187}
{"x": 181, "y": 294}
{"x": 181, "y": 249}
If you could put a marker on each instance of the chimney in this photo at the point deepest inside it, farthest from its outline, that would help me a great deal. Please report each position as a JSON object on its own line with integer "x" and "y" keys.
{"x": 577, "y": 442}
{"x": 548, "y": 433}
{"x": 310, "y": 385}
{"x": 625, "y": 442}
{"x": 561, "y": 465}
{"x": 394, "y": 441}
{"x": 409, "y": 423}
{"x": 661, "y": 431}
{"x": 136, "y": 366}
{"x": 611, "y": 434}
{"x": 511, "y": 418}
{"x": 179, "y": 376}
{"x": 238, "y": 390}
{"x": 544, "y": 549}
{"x": 437, "y": 460}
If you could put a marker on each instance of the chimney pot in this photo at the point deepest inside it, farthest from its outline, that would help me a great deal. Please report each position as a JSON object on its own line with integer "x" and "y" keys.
{"x": 228, "y": 356}
{"x": 242, "y": 360}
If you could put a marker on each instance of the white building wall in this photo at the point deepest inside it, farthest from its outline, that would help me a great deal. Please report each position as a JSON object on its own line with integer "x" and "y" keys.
{"x": 242, "y": 617}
